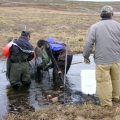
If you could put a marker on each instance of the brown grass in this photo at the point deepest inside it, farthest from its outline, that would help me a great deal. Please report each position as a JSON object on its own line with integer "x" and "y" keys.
{"x": 61, "y": 25}
{"x": 71, "y": 112}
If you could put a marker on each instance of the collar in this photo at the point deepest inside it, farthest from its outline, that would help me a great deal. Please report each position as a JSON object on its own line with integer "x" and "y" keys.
{"x": 106, "y": 19}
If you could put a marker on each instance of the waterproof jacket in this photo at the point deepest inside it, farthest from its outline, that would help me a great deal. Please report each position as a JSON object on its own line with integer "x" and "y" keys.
{"x": 106, "y": 37}
{"x": 22, "y": 45}
{"x": 61, "y": 54}
{"x": 58, "y": 49}
{"x": 55, "y": 45}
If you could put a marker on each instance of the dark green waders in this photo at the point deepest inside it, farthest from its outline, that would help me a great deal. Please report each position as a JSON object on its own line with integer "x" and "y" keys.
{"x": 19, "y": 71}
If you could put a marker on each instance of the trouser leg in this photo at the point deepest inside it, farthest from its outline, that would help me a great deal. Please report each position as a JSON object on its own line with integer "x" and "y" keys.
{"x": 104, "y": 84}
{"x": 39, "y": 74}
{"x": 57, "y": 78}
{"x": 15, "y": 74}
{"x": 115, "y": 76}
{"x": 61, "y": 64}
{"x": 55, "y": 75}
{"x": 69, "y": 61}
{"x": 25, "y": 78}
{"x": 8, "y": 67}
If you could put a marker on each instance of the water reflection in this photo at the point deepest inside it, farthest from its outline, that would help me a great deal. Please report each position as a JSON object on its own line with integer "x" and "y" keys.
{"x": 3, "y": 95}
{"x": 34, "y": 97}
{"x": 117, "y": 13}
{"x": 18, "y": 100}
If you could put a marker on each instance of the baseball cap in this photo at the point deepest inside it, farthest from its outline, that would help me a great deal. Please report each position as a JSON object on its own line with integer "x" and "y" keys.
{"x": 25, "y": 33}
{"x": 107, "y": 10}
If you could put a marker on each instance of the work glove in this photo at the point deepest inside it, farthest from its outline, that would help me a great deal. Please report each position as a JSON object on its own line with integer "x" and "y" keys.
{"x": 86, "y": 60}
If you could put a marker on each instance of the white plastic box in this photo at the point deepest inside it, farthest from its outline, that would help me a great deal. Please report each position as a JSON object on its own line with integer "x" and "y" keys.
{"x": 88, "y": 82}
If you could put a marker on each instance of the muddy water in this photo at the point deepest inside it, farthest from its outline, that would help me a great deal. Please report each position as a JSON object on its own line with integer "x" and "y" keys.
{"x": 34, "y": 97}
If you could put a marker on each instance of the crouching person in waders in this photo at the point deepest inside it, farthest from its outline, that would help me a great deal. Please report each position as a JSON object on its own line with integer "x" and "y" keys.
{"x": 20, "y": 53}
{"x": 58, "y": 69}
{"x": 42, "y": 50}
{"x": 36, "y": 63}
{"x": 59, "y": 53}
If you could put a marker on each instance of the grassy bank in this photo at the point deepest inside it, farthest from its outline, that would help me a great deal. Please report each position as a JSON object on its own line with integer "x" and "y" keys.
{"x": 43, "y": 19}
{"x": 85, "y": 111}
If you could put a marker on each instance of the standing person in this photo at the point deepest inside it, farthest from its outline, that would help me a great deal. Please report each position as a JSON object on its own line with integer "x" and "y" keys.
{"x": 21, "y": 52}
{"x": 105, "y": 34}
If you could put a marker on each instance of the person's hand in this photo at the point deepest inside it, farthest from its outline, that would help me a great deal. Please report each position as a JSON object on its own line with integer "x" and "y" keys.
{"x": 86, "y": 60}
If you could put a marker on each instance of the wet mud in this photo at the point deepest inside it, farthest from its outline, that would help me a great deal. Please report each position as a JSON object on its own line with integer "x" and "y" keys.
{"x": 35, "y": 96}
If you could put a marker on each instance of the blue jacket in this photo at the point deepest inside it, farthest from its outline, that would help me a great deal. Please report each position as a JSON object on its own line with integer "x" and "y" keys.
{"x": 55, "y": 46}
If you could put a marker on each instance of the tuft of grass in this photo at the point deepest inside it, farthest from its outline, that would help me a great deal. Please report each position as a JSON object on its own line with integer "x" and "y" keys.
{"x": 86, "y": 111}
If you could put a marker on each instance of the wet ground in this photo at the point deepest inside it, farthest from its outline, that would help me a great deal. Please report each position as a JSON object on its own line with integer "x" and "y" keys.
{"x": 34, "y": 97}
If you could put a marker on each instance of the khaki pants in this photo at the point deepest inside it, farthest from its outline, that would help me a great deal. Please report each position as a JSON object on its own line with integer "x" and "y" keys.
{"x": 108, "y": 83}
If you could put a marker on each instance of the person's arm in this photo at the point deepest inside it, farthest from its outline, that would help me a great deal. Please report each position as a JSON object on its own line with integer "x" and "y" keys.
{"x": 31, "y": 56}
{"x": 89, "y": 43}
